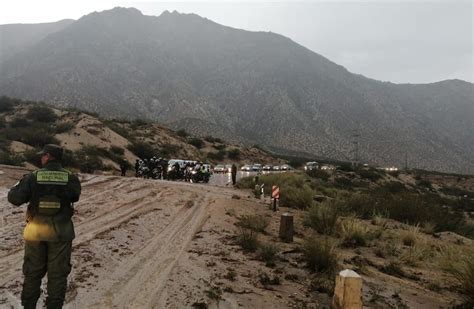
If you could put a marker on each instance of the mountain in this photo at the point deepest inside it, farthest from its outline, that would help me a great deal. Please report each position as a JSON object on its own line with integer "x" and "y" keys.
{"x": 246, "y": 87}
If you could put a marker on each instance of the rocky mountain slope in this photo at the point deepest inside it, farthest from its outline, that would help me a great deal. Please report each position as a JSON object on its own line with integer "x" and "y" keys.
{"x": 250, "y": 87}
{"x": 94, "y": 144}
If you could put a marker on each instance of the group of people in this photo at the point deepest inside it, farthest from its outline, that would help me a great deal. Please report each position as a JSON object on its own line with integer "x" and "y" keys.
{"x": 155, "y": 168}
{"x": 160, "y": 168}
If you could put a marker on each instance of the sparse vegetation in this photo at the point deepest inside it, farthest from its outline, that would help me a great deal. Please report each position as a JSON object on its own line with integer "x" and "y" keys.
{"x": 353, "y": 233}
{"x": 196, "y": 142}
{"x": 233, "y": 153}
{"x": 267, "y": 253}
{"x": 248, "y": 239}
{"x": 320, "y": 255}
{"x": 182, "y": 133}
{"x": 323, "y": 217}
{"x": 255, "y": 223}
{"x": 41, "y": 113}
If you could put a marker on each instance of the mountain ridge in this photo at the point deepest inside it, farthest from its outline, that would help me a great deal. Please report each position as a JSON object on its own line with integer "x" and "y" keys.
{"x": 255, "y": 87}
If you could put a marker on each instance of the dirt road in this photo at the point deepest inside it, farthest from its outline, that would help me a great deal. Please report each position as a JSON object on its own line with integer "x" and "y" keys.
{"x": 130, "y": 234}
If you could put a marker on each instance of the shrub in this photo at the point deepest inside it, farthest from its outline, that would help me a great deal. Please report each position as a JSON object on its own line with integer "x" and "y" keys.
{"x": 63, "y": 127}
{"x": 343, "y": 183}
{"x": 32, "y": 157}
{"x": 168, "y": 150}
{"x": 137, "y": 123}
{"x": 319, "y": 174}
{"x": 353, "y": 232}
{"x": 320, "y": 256}
{"x": 424, "y": 183}
{"x": 265, "y": 280}
{"x": 196, "y": 142}
{"x": 220, "y": 146}
{"x": 118, "y": 129}
{"x": 142, "y": 150}
{"x": 6, "y": 104}
{"x": 461, "y": 266}
{"x": 2, "y": 122}
{"x": 18, "y": 122}
{"x": 370, "y": 174}
{"x": 297, "y": 197}
{"x": 41, "y": 114}
{"x": 211, "y": 139}
{"x": 88, "y": 164}
{"x": 119, "y": 151}
{"x": 267, "y": 253}
{"x": 233, "y": 154}
{"x": 323, "y": 217}
{"x": 255, "y": 223}
{"x": 248, "y": 239}
{"x": 231, "y": 275}
{"x": 409, "y": 237}
{"x": 413, "y": 255}
{"x": 37, "y": 137}
{"x": 218, "y": 156}
{"x": 8, "y": 158}
{"x": 182, "y": 133}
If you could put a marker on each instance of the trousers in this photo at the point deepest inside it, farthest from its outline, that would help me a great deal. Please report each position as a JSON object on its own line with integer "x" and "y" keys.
{"x": 41, "y": 258}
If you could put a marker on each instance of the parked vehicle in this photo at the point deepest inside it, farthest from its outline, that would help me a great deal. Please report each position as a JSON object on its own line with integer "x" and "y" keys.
{"x": 257, "y": 167}
{"x": 276, "y": 168}
{"x": 267, "y": 167}
{"x": 246, "y": 168}
{"x": 220, "y": 169}
{"x": 309, "y": 166}
{"x": 285, "y": 167}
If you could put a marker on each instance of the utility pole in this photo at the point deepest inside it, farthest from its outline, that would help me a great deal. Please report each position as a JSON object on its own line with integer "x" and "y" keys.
{"x": 355, "y": 142}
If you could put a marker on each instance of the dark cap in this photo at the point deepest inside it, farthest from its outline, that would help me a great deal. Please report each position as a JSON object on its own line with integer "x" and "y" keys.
{"x": 54, "y": 150}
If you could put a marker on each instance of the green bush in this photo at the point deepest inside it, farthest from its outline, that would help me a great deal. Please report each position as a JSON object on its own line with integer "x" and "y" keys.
{"x": 8, "y": 158}
{"x": 42, "y": 114}
{"x": 217, "y": 156}
{"x": 37, "y": 137}
{"x": 370, "y": 174}
{"x": 323, "y": 217}
{"x": 320, "y": 256}
{"x": 118, "y": 129}
{"x": 64, "y": 127}
{"x": 118, "y": 151}
{"x": 463, "y": 271}
{"x": 219, "y": 146}
{"x": 142, "y": 150}
{"x": 319, "y": 174}
{"x": 182, "y": 133}
{"x": 7, "y": 104}
{"x": 233, "y": 154}
{"x": 18, "y": 122}
{"x": 267, "y": 253}
{"x": 196, "y": 142}
{"x": 296, "y": 197}
{"x": 2, "y": 122}
{"x": 211, "y": 139}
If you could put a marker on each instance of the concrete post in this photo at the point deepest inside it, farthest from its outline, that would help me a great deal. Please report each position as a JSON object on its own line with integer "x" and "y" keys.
{"x": 286, "y": 227}
{"x": 348, "y": 291}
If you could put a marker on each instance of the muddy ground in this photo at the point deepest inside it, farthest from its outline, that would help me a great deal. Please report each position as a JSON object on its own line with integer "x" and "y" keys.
{"x": 159, "y": 244}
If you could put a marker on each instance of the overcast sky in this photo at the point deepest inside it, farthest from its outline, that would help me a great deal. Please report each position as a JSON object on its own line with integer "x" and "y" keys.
{"x": 398, "y": 41}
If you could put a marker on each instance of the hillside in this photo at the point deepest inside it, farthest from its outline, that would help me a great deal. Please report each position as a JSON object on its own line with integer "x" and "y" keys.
{"x": 94, "y": 144}
{"x": 154, "y": 243}
{"x": 248, "y": 87}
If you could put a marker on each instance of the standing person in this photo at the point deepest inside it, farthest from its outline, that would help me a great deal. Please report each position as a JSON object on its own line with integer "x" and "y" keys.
{"x": 137, "y": 167}
{"x": 51, "y": 192}
{"x": 233, "y": 171}
{"x": 123, "y": 166}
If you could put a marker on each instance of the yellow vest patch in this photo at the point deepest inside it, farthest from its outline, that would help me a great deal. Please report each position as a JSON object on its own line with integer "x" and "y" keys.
{"x": 52, "y": 177}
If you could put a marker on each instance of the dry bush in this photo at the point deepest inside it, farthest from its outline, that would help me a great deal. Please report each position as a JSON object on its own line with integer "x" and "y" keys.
{"x": 320, "y": 255}
{"x": 460, "y": 263}
{"x": 353, "y": 232}
{"x": 267, "y": 253}
{"x": 414, "y": 254}
{"x": 248, "y": 239}
{"x": 255, "y": 223}
{"x": 323, "y": 217}
{"x": 410, "y": 236}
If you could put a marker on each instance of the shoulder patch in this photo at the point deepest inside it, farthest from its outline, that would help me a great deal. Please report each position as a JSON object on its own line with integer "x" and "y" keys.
{"x": 44, "y": 177}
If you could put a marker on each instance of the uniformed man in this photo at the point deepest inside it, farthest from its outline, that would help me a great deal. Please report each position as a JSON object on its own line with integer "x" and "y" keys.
{"x": 51, "y": 192}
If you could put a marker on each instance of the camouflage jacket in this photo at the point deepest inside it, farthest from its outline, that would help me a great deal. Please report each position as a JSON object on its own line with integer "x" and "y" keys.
{"x": 50, "y": 192}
